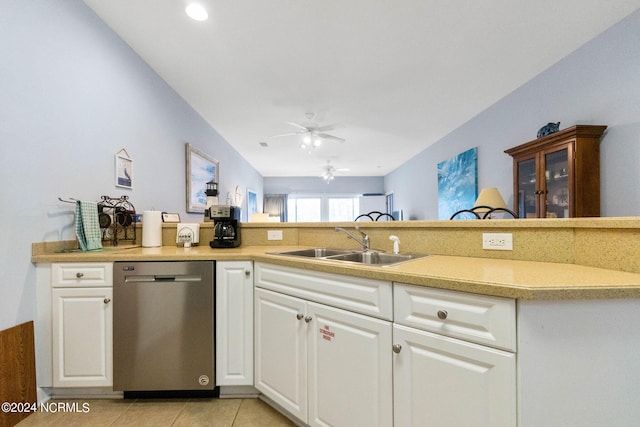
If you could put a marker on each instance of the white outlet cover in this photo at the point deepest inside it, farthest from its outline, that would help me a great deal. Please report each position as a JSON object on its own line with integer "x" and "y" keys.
{"x": 274, "y": 234}
{"x": 497, "y": 241}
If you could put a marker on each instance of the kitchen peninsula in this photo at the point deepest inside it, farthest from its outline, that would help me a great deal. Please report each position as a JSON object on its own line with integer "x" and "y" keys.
{"x": 569, "y": 295}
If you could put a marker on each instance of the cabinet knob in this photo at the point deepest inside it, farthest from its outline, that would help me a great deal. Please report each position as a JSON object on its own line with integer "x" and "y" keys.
{"x": 79, "y": 275}
{"x": 299, "y": 316}
{"x": 308, "y": 319}
{"x": 107, "y": 300}
{"x": 442, "y": 314}
{"x": 396, "y": 348}
{"x": 247, "y": 273}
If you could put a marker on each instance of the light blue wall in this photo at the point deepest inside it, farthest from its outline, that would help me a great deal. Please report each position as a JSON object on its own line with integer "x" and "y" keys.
{"x": 72, "y": 94}
{"x": 597, "y": 84}
{"x": 316, "y": 185}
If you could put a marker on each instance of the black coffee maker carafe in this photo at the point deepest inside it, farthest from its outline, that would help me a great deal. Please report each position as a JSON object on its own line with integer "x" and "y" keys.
{"x": 226, "y": 230}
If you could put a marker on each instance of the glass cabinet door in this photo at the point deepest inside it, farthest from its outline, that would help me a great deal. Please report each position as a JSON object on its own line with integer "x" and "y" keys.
{"x": 527, "y": 191}
{"x": 556, "y": 177}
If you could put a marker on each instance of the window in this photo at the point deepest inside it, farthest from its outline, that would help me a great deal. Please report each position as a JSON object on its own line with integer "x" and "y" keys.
{"x": 304, "y": 209}
{"x": 314, "y": 208}
{"x": 343, "y": 209}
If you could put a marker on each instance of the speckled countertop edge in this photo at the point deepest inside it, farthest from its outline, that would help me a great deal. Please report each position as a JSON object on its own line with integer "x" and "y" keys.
{"x": 529, "y": 280}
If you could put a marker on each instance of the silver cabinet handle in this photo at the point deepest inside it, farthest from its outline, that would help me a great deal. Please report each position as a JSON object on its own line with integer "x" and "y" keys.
{"x": 107, "y": 300}
{"x": 308, "y": 319}
{"x": 397, "y": 348}
{"x": 442, "y": 314}
{"x": 247, "y": 273}
{"x": 299, "y": 316}
{"x": 79, "y": 275}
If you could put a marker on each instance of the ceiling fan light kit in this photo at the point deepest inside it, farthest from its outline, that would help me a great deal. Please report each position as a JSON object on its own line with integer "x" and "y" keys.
{"x": 309, "y": 140}
{"x": 330, "y": 172}
{"x": 312, "y": 133}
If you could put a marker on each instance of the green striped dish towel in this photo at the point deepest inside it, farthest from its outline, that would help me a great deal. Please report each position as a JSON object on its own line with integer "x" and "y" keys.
{"x": 87, "y": 226}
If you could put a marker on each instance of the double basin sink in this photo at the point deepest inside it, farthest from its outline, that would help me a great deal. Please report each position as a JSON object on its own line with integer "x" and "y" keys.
{"x": 369, "y": 257}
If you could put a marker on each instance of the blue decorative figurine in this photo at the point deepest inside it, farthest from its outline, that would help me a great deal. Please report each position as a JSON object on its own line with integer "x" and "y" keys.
{"x": 548, "y": 129}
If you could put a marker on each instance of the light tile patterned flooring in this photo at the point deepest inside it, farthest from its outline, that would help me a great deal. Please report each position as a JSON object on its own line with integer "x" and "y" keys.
{"x": 162, "y": 412}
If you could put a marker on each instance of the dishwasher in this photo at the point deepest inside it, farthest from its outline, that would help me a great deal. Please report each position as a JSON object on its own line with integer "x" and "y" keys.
{"x": 163, "y": 327}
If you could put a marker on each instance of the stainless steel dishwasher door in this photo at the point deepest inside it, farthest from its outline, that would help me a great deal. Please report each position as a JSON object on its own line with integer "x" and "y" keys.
{"x": 163, "y": 326}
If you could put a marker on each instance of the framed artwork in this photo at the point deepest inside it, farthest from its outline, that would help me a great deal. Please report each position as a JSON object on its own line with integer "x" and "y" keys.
{"x": 124, "y": 169}
{"x": 252, "y": 202}
{"x": 457, "y": 183}
{"x": 200, "y": 170}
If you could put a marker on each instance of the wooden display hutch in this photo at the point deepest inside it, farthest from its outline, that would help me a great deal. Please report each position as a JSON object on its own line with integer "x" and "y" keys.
{"x": 558, "y": 175}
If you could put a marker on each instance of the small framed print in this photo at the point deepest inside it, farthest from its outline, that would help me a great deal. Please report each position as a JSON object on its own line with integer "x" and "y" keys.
{"x": 124, "y": 169}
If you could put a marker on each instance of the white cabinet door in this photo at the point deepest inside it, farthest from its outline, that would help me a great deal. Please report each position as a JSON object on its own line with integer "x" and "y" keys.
{"x": 281, "y": 350}
{"x": 234, "y": 323}
{"x": 350, "y": 380}
{"x": 444, "y": 381}
{"x": 82, "y": 337}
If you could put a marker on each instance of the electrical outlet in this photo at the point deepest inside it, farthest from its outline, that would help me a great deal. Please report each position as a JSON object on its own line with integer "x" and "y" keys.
{"x": 497, "y": 241}
{"x": 274, "y": 234}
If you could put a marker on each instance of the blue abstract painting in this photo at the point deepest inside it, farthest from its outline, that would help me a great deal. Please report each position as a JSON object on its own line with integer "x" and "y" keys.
{"x": 457, "y": 183}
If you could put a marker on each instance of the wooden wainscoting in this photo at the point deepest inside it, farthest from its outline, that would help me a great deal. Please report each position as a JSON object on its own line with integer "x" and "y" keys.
{"x": 17, "y": 370}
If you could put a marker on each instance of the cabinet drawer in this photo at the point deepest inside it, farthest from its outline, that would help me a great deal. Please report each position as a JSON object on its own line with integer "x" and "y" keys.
{"x": 365, "y": 296}
{"x": 477, "y": 318}
{"x": 81, "y": 275}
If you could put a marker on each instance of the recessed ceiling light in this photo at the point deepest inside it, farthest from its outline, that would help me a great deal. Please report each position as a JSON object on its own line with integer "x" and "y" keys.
{"x": 196, "y": 12}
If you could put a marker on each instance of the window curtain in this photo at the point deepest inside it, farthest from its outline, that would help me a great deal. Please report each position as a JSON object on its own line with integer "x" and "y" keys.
{"x": 276, "y": 205}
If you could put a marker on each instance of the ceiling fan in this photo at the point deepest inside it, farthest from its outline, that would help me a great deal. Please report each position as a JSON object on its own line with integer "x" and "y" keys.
{"x": 329, "y": 171}
{"x": 312, "y": 134}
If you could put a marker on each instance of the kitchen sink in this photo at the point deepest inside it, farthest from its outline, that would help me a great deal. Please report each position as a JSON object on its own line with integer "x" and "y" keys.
{"x": 315, "y": 252}
{"x": 375, "y": 258}
{"x": 352, "y": 256}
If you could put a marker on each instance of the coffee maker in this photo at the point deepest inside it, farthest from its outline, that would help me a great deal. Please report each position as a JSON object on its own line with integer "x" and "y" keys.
{"x": 226, "y": 230}
{"x": 212, "y": 199}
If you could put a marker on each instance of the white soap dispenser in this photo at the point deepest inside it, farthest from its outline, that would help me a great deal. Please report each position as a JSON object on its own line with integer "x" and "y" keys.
{"x": 396, "y": 243}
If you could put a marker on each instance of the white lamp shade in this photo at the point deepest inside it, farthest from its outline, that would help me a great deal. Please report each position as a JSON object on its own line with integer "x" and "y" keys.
{"x": 489, "y": 197}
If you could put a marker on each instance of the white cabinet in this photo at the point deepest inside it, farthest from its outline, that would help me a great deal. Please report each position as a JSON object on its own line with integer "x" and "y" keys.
{"x": 234, "y": 323}
{"x": 82, "y": 322}
{"x": 440, "y": 376}
{"x": 349, "y": 380}
{"x": 324, "y": 365}
{"x": 281, "y": 350}
{"x": 451, "y": 382}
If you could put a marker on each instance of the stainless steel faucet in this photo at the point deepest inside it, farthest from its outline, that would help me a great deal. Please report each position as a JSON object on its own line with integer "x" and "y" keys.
{"x": 364, "y": 241}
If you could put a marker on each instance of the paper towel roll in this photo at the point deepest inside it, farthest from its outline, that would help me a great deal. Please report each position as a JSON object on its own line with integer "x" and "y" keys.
{"x": 151, "y": 229}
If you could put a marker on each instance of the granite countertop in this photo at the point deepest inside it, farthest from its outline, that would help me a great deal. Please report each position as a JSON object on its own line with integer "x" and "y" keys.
{"x": 506, "y": 278}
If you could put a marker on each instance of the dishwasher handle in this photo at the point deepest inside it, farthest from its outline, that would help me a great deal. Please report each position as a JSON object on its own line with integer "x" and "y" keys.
{"x": 163, "y": 278}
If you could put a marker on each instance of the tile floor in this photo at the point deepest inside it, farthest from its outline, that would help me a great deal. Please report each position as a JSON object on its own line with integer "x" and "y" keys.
{"x": 161, "y": 412}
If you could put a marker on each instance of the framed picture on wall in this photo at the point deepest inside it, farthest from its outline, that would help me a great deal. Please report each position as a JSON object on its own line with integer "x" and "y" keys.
{"x": 124, "y": 169}
{"x": 200, "y": 169}
{"x": 457, "y": 183}
{"x": 252, "y": 202}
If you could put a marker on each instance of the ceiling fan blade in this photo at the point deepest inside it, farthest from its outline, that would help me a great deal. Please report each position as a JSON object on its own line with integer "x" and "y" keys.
{"x": 285, "y": 134}
{"x": 299, "y": 126}
{"x": 326, "y": 128}
{"x": 331, "y": 137}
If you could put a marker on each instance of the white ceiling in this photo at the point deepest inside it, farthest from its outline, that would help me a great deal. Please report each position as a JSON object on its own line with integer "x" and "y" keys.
{"x": 396, "y": 75}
